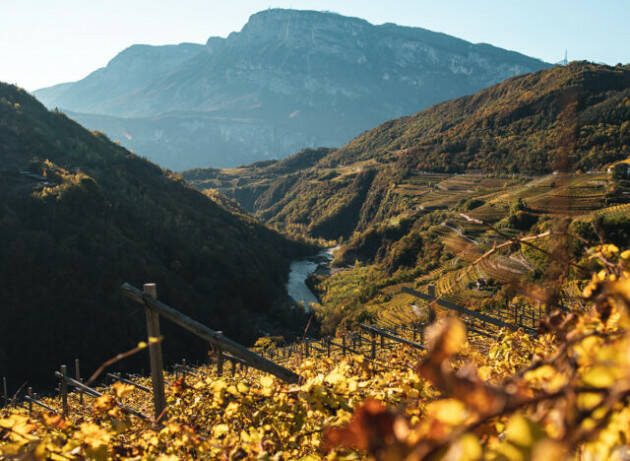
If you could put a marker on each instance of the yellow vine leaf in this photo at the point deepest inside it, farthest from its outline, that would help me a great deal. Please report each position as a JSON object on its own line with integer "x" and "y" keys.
{"x": 122, "y": 389}
{"x": 92, "y": 435}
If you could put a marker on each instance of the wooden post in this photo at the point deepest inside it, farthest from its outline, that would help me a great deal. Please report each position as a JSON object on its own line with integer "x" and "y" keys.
{"x": 373, "y": 345}
{"x": 29, "y": 392}
{"x": 431, "y": 290}
{"x": 5, "y": 392}
{"x": 328, "y": 347}
{"x": 77, "y": 376}
{"x": 219, "y": 361}
{"x": 64, "y": 389}
{"x": 155, "y": 353}
{"x": 382, "y": 341}
{"x": 343, "y": 344}
{"x": 243, "y": 353}
{"x": 184, "y": 369}
{"x": 232, "y": 368}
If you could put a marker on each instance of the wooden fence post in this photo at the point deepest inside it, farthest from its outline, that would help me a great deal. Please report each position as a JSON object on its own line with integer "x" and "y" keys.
{"x": 64, "y": 389}
{"x": 343, "y": 344}
{"x": 29, "y": 392}
{"x": 155, "y": 353}
{"x": 328, "y": 347}
{"x": 373, "y": 345}
{"x": 219, "y": 361}
{"x": 5, "y": 392}
{"x": 77, "y": 376}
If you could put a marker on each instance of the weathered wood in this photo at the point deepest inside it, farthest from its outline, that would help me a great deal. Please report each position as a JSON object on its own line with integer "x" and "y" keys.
{"x": 463, "y": 310}
{"x": 31, "y": 399}
{"x": 328, "y": 347}
{"x": 253, "y": 360}
{"x": 128, "y": 381}
{"x": 373, "y": 344}
{"x": 345, "y": 348}
{"x": 155, "y": 352}
{"x": 317, "y": 348}
{"x": 64, "y": 389}
{"x": 77, "y": 376}
{"x": 94, "y": 393}
{"x": 398, "y": 339}
{"x": 479, "y": 332}
{"x": 29, "y": 394}
{"x": 219, "y": 361}
{"x": 343, "y": 343}
{"x": 232, "y": 359}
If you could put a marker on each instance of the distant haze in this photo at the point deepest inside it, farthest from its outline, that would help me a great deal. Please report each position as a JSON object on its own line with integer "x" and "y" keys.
{"x": 289, "y": 79}
{"x": 43, "y": 42}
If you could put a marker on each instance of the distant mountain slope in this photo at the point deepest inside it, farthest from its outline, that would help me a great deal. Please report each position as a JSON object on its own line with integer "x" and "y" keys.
{"x": 289, "y": 79}
{"x": 576, "y": 117}
{"x": 79, "y": 215}
{"x": 129, "y": 72}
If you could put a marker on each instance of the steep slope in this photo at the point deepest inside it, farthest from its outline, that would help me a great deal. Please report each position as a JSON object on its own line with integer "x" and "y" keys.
{"x": 79, "y": 215}
{"x": 128, "y": 72}
{"x": 289, "y": 79}
{"x": 575, "y": 117}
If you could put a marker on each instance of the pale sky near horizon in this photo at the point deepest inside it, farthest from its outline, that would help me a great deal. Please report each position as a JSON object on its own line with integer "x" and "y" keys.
{"x": 45, "y": 42}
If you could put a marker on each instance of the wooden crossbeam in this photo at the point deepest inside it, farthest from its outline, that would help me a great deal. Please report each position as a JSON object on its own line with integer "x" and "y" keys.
{"x": 213, "y": 337}
{"x": 94, "y": 393}
{"x": 28, "y": 398}
{"x": 128, "y": 381}
{"x": 464, "y": 311}
{"x": 385, "y": 334}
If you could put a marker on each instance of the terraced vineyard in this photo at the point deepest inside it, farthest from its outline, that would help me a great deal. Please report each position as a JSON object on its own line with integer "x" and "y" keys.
{"x": 364, "y": 397}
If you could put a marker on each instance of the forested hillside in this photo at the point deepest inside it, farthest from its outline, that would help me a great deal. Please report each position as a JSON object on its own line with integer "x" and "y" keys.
{"x": 79, "y": 215}
{"x": 574, "y": 117}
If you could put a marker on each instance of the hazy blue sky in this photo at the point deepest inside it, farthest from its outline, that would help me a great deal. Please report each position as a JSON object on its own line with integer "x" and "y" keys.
{"x": 43, "y": 42}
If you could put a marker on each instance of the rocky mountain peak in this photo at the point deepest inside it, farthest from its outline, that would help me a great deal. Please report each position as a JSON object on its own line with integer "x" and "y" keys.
{"x": 287, "y": 80}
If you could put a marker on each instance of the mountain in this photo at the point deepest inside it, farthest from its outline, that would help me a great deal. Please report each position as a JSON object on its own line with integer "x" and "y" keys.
{"x": 288, "y": 80}
{"x": 572, "y": 117}
{"x": 79, "y": 215}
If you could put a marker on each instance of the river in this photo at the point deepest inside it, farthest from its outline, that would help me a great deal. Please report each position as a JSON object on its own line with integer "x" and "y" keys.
{"x": 299, "y": 272}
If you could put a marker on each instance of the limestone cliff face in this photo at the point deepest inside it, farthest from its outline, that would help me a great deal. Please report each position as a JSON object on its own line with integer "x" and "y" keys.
{"x": 316, "y": 78}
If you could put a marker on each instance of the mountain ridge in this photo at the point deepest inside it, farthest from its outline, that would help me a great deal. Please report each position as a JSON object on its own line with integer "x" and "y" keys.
{"x": 290, "y": 79}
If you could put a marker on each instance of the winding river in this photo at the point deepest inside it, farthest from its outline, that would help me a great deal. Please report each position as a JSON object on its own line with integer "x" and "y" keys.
{"x": 299, "y": 272}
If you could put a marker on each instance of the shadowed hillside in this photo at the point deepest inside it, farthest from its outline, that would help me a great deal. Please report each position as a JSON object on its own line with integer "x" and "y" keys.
{"x": 79, "y": 215}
